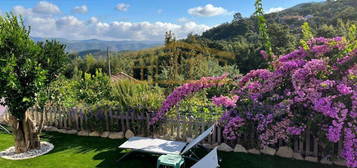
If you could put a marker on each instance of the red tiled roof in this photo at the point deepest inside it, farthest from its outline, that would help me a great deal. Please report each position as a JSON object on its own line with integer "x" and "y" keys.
{"x": 121, "y": 76}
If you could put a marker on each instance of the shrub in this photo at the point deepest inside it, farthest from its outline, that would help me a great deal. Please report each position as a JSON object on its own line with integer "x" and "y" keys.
{"x": 64, "y": 92}
{"x": 134, "y": 94}
{"x": 93, "y": 88}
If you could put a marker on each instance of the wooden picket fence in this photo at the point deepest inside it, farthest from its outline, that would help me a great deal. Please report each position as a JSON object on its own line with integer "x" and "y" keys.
{"x": 180, "y": 128}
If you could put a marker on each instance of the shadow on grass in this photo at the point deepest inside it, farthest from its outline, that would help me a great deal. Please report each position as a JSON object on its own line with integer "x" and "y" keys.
{"x": 107, "y": 150}
{"x": 133, "y": 160}
{"x": 80, "y": 143}
{"x": 240, "y": 160}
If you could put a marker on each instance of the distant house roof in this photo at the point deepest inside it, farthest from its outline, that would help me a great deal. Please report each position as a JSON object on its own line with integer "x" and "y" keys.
{"x": 121, "y": 76}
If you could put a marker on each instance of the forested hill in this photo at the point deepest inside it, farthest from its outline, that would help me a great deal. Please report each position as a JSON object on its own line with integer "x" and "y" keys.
{"x": 328, "y": 12}
{"x": 240, "y": 36}
{"x": 319, "y": 15}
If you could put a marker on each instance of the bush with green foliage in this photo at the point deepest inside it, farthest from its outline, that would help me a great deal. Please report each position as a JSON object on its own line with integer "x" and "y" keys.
{"x": 93, "y": 88}
{"x": 64, "y": 92}
{"x": 131, "y": 94}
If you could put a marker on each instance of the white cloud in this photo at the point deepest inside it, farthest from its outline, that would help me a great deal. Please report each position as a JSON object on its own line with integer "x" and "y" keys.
{"x": 80, "y": 9}
{"x": 93, "y": 20}
{"x": 183, "y": 20}
{"x": 44, "y": 7}
{"x": 122, "y": 7}
{"x": 70, "y": 27}
{"x": 20, "y": 10}
{"x": 68, "y": 21}
{"x": 73, "y": 28}
{"x": 208, "y": 10}
{"x": 41, "y": 26}
{"x": 147, "y": 30}
{"x": 273, "y": 10}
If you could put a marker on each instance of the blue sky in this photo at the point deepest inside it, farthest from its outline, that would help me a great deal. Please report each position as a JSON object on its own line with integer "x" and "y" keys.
{"x": 131, "y": 19}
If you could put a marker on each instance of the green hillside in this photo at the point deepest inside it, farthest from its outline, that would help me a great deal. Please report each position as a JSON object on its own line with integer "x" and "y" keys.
{"x": 234, "y": 43}
{"x": 317, "y": 14}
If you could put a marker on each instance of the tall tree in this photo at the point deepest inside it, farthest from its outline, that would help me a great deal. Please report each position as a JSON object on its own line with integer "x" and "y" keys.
{"x": 26, "y": 69}
{"x": 263, "y": 27}
{"x": 237, "y": 17}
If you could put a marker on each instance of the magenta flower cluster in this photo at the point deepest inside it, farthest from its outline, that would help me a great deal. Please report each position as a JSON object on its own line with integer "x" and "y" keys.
{"x": 295, "y": 130}
{"x": 344, "y": 89}
{"x": 231, "y": 130}
{"x": 350, "y": 146}
{"x": 309, "y": 79}
{"x": 225, "y": 101}
{"x": 183, "y": 91}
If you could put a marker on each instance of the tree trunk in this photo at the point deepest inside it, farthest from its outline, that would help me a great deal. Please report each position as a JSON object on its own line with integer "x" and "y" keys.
{"x": 26, "y": 135}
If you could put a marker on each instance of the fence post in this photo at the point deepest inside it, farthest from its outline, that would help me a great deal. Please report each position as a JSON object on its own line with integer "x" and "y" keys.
{"x": 183, "y": 128}
{"x": 316, "y": 147}
{"x": 178, "y": 126}
{"x": 81, "y": 116}
{"x": 203, "y": 127}
{"x": 107, "y": 119}
{"x": 214, "y": 135}
{"x": 296, "y": 144}
{"x": 56, "y": 118}
{"x": 147, "y": 123}
{"x": 340, "y": 147}
{"x": 76, "y": 118}
{"x": 124, "y": 120}
{"x": 219, "y": 134}
{"x": 86, "y": 120}
{"x": 65, "y": 118}
{"x": 308, "y": 141}
{"x": 111, "y": 119}
{"x": 142, "y": 123}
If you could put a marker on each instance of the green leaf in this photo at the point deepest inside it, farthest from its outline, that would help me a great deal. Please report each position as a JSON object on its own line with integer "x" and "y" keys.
{"x": 26, "y": 99}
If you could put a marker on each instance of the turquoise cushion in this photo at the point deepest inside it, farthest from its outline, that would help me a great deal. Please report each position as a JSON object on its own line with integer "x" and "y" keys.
{"x": 170, "y": 160}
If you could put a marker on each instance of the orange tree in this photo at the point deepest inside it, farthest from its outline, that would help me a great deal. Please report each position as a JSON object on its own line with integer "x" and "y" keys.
{"x": 26, "y": 71}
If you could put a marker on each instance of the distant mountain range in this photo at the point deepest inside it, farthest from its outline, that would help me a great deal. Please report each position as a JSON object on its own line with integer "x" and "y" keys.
{"x": 94, "y": 44}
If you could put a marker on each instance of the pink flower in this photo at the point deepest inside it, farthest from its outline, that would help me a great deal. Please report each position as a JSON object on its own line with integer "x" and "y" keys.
{"x": 344, "y": 89}
{"x": 225, "y": 101}
{"x": 264, "y": 54}
{"x": 295, "y": 130}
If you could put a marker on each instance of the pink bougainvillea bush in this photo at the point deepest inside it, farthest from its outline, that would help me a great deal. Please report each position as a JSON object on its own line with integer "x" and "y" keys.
{"x": 314, "y": 87}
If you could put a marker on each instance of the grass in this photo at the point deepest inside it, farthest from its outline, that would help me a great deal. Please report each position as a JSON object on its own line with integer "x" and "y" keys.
{"x": 88, "y": 152}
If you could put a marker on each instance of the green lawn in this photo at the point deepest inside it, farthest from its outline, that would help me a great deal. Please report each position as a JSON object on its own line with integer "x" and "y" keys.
{"x": 86, "y": 152}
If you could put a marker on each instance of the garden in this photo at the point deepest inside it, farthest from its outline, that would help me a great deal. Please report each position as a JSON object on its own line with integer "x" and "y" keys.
{"x": 298, "y": 110}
